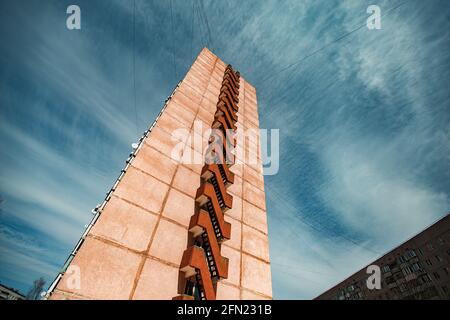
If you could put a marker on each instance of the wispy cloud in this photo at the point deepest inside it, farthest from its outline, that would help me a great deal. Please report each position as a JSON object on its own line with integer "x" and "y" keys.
{"x": 24, "y": 257}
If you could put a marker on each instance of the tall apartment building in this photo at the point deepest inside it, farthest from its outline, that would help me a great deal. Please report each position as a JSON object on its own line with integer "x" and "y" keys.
{"x": 417, "y": 269}
{"x": 174, "y": 225}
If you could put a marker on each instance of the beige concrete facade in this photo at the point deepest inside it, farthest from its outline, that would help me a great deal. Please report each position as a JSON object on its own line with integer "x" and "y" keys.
{"x": 134, "y": 249}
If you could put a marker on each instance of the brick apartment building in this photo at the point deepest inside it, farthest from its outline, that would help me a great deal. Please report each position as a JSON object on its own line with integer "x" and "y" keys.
{"x": 418, "y": 269}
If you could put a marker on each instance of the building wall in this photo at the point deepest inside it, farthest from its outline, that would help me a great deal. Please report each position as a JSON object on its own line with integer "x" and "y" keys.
{"x": 9, "y": 294}
{"x": 417, "y": 269}
{"x": 134, "y": 249}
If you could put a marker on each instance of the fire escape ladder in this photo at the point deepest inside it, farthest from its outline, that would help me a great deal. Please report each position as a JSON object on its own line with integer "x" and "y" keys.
{"x": 202, "y": 263}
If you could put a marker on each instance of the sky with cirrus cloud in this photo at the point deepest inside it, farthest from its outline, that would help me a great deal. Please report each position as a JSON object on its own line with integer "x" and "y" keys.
{"x": 364, "y": 121}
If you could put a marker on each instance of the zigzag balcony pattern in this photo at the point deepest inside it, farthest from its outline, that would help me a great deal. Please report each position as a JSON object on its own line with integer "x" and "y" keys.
{"x": 202, "y": 263}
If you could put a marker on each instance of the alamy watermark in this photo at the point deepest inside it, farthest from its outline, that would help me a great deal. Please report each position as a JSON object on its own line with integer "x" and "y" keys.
{"x": 258, "y": 148}
{"x": 374, "y": 20}
{"x": 74, "y": 19}
{"x": 373, "y": 282}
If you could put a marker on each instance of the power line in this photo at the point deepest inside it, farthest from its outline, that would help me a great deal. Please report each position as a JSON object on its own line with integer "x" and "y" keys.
{"x": 301, "y": 269}
{"x": 272, "y": 99}
{"x": 192, "y": 30}
{"x": 301, "y": 237}
{"x": 296, "y": 216}
{"x": 134, "y": 68}
{"x": 173, "y": 41}
{"x": 325, "y": 46}
{"x": 202, "y": 8}
{"x": 297, "y": 274}
{"x": 201, "y": 27}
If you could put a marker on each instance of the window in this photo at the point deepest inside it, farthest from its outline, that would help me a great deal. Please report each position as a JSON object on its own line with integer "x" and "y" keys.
{"x": 390, "y": 280}
{"x": 430, "y": 246}
{"x": 441, "y": 241}
{"x": 428, "y": 262}
{"x": 403, "y": 287}
{"x": 425, "y": 278}
{"x": 438, "y": 258}
{"x": 406, "y": 271}
{"x": 436, "y": 275}
{"x": 398, "y": 275}
{"x": 416, "y": 267}
{"x": 446, "y": 270}
{"x": 409, "y": 254}
{"x": 430, "y": 293}
{"x": 385, "y": 269}
{"x": 420, "y": 251}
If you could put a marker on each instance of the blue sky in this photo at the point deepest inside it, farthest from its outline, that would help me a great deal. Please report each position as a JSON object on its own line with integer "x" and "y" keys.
{"x": 364, "y": 123}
